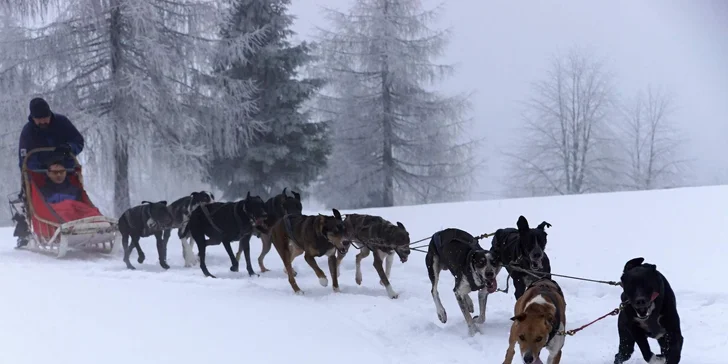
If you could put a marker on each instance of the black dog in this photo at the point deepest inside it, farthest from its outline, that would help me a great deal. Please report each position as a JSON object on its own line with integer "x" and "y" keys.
{"x": 181, "y": 211}
{"x": 224, "y": 222}
{"x": 276, "y": 207}
{"x": 474, "y": 269}
{"x": 149, "y": 218}
{"x": 524, "y": 248}
{"x": 649, "y": 310}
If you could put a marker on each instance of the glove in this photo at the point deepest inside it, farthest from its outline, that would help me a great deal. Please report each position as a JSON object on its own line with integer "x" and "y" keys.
{"x": 64, "y": 149}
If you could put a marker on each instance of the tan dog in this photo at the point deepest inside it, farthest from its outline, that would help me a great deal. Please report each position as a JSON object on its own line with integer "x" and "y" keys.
{"x": 313, "y": 236}
{"x": 540, "y": 314}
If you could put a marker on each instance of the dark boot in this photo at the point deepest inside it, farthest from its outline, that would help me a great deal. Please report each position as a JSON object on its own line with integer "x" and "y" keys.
{"x": 21, "y": 230}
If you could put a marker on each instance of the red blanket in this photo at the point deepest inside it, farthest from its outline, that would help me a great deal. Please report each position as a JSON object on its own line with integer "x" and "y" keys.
{"x": 70, "y": 210}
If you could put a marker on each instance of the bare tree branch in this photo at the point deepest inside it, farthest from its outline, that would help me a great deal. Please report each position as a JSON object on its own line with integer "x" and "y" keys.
{"x": 566, "y": 146}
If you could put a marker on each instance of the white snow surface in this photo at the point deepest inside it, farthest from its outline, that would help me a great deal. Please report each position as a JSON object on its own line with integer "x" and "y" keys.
{"x": 91, "y": 310}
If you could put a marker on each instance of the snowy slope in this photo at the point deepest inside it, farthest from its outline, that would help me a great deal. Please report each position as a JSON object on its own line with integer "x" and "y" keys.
{"x": 94, "y": 311}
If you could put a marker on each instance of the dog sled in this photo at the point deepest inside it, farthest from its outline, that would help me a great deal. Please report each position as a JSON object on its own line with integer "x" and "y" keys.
{"x": 57, "y": 232}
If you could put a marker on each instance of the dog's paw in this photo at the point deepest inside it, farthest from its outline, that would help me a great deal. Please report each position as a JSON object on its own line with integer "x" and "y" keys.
{"x": 298, "y": 293}
{"x": 472, "y": 330}
{"x": 442, "y": 315}
{"x": 234, "y": 268}
{"x": 657, "y": 359}
{"x": 337, "y": 289}
{"x": 620, "y": 358}
{"x": 324, "y": 281}
{"x": 164, "y": 265}
{"x": 391, "y": 293}
{"x": 141, "y": 259}
{"x": 479, "y": 319}
{"x": 358, "y": 278}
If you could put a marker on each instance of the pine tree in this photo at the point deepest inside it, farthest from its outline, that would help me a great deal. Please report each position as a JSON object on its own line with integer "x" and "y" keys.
{"x": 291, "y": 151}
{"x": 134, "y": 76}
{"x": 397, "y": 140}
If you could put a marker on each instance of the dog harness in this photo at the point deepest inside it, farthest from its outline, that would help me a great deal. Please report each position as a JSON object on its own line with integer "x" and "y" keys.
{"x": 437, "y": 242}
{"x": 557, "y": 316}
{"x": 208, "y": 215}
{"x": 469, "y": 267}
{"x": 289, "y": 228}
{"x": 145, "y": 215}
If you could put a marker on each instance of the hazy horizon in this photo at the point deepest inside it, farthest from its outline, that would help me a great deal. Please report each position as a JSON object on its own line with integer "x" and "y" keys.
{"x": 501, "y": 47}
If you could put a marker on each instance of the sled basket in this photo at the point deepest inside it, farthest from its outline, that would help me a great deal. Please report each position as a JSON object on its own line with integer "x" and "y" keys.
{"x": 49, "y": 231}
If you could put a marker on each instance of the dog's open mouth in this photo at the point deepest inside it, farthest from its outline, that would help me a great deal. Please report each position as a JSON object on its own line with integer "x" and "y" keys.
{"x": 642, "y": 312}
{"x": 491, "y": 285}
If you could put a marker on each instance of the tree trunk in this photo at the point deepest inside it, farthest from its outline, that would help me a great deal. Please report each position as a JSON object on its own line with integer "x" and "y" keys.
{"x": 387, "y": 155}
{"x": 121, "y": 150}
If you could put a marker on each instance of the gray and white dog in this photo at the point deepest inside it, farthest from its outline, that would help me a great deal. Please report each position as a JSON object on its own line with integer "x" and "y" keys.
{"x": 474, "y": 269}
{"x": 181, "y": 211}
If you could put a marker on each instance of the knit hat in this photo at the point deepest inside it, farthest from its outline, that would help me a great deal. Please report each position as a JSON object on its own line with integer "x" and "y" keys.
{"x": 39, "y": 108}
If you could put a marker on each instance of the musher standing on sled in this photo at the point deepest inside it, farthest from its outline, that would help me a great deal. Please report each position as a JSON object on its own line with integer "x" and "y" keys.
{"x": 44, "y": 129}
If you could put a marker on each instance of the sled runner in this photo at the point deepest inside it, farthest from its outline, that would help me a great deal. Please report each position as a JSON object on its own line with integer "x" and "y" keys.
{"x": 56, "y": 228}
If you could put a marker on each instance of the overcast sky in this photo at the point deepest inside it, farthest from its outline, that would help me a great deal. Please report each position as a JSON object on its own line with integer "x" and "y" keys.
{"x": 501, "y": 46}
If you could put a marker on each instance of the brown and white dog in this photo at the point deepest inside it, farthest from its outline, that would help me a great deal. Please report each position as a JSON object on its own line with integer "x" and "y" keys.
{"x": 540, "y": 314}
{"x": 312, "y": 236}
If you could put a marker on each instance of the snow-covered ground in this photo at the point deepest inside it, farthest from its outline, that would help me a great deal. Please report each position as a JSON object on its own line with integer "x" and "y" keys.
{"x": 84, "y": 310}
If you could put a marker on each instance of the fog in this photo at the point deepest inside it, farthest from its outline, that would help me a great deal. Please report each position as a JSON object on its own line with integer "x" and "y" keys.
{"x": 500, "y": 47}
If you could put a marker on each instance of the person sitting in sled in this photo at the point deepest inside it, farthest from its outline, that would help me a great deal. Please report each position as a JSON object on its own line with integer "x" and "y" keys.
{"x": 58, "y": 187}
{"x": 63, "y": 197}
{"x": 44, "y": 128}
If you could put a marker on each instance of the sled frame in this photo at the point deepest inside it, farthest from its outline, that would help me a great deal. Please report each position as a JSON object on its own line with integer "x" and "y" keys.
{"x": 90, "y": 234}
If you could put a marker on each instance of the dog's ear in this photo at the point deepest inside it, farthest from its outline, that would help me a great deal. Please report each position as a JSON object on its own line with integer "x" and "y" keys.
{"x": 194, "y": 194}
{"x": 248, "y": 195}
{"x": 401, "y": 226}
{"x": 651, "y": 267}
{"x": 542, "y": 225}
{"x": 163, "y": 202}
{"x": 480, "y": 259}
{"x": 284, "y": 191}
{"x": 522, "y": 224}
{"x": 146, "y": 202}
{"x": 337, "y": 214}
{"x": 318, "y": 225}
{"x": 520, "y": 317}
{"x": 212, "y": 196}
{"x": 549, "y": 317}
{"x": 296, "y": 195}
{"x": 633, "y": 263}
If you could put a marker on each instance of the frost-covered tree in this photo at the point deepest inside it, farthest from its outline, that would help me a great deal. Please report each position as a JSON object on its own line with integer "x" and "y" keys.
{"x": 136, "y": 78}
{"x": 291, "y": 151}
{"x": 566, "y": 146}
{"x": 396, "y": 140}
{"x": 651, "y": 143}
{"x": 15, "y": 85}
